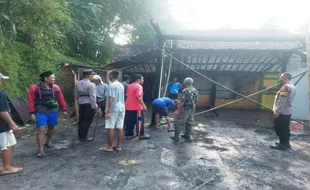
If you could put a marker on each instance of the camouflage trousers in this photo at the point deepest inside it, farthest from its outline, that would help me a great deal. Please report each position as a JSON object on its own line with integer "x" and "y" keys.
{"x": 185, "y": 118}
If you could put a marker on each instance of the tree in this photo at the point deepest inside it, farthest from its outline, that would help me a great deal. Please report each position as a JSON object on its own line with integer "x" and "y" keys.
{"x": 36, "y": 34}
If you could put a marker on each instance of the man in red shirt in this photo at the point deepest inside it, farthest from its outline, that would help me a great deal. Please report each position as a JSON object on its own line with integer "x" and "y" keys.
{"x": 134, "y": 109}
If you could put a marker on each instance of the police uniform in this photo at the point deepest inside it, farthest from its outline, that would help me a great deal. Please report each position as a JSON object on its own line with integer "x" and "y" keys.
{"x": 86, "y": 94}
{"x": 186, "y": 116}
{"x": 283, "y": 105}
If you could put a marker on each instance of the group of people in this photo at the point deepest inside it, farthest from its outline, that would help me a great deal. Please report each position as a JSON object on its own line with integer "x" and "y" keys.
{"x": 122, "y": 107}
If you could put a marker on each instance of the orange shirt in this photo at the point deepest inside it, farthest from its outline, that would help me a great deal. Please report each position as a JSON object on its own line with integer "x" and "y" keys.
{"x": 134, "y": 91}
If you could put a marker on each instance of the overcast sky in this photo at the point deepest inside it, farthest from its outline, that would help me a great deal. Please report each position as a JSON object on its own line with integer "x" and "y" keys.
{"x": 240, "y": 14}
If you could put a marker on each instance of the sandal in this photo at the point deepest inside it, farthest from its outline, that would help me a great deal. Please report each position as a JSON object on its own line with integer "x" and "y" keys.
{"x": 170, "y": 130}
{"x": 49, "y": 145}
{"x": 130, "y": 137}
{"x": 117, "y": 148}
{"x": 106, "y": 149}
{"x": 40, "y": 154}
{"x": 12, "y": 170}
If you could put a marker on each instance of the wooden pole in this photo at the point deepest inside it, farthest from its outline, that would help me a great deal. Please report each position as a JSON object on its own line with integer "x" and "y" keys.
{"x": 162, "y": 60}
{"x": 169, "y": 73}
{"x": 308, "y": 66}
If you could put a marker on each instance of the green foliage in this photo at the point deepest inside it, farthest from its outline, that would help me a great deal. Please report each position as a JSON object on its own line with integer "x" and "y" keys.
{"x": 35, "y": 35}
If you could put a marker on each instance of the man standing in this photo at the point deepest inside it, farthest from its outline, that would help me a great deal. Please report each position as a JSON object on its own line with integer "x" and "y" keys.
{"x": 174, "y": 88}
{"x": 7, "y": 138}
{"x": 160, "y": 108}
{"x": 126, "y": 81}
{"x": 86, "y": 94}
{"x": 44, "y": 100}
{"x": 100, "y": 92}
{"x": 115, "y": 112}
{"x": 283, "y": 109}
{"x": 134, "y": 109}
{"x": 186, "y": 110}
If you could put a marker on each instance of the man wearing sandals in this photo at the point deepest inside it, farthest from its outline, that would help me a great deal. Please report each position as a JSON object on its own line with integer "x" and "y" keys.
{"x": 7, "y": 138}
{"x": 44, "y": 100}
{"x": 160, "y": 108}
{"x": 184, "y": 115}
{"x": 115, "y": 112}
{"x": 134, "y": 109}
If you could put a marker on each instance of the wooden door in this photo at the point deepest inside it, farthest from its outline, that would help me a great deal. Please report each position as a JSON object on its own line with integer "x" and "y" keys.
{"x": 267, "y": 97}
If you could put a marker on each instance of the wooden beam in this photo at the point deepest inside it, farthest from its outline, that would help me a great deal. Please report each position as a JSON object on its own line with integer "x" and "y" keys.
{"x": 201, "y": 62}
{"x": 220, "y": 62}
{"x": 241, "y": 64}
{"x": 254, "y": 64}
{"x": 228, "y": 63}
{"x": 156, "y": 28}
{"x": 271, "y": 64}
{"x": 213, "y": 92}
{"x": 308, "y": 66}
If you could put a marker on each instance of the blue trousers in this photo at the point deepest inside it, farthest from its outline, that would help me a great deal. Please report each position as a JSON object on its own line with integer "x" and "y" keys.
{"x": 132, "y": 119}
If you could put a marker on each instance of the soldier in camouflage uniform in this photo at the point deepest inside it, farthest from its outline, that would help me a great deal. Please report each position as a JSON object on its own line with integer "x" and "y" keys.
{"x": 283, "y": 109}
{"x": 184, "y": 115}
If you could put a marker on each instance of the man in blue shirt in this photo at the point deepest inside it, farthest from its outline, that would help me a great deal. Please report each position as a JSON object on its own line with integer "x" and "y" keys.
{"x": 174, "y": 88}
{"x": 115, "y": 112}
{"x": 160, "y": 108}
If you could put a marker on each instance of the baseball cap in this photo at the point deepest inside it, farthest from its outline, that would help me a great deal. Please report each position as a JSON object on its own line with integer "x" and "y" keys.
{"x": 2, "y": 77}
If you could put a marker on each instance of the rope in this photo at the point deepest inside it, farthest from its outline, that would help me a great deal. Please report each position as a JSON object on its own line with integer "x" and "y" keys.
{"x": 240, "y": 99}
{"x": 219, "y": 84}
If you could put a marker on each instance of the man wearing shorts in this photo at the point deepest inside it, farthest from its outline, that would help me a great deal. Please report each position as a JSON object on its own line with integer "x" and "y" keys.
{"x": 44, "y": 99}
{"x": 7, "y": 138}
{"x": 115, "y": 112}
{"x": 160, "y": 108}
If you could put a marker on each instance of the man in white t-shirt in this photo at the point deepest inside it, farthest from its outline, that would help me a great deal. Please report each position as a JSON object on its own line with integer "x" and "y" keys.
{"x": 115, "y": 112}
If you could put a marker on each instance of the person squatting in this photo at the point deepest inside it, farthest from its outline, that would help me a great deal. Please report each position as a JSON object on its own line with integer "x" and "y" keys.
{"x": 121, "y": 105}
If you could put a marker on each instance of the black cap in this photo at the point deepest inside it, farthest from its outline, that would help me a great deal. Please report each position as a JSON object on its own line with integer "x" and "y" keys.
{"x": 46, "y": 74}
{"x": 88, "y": 72}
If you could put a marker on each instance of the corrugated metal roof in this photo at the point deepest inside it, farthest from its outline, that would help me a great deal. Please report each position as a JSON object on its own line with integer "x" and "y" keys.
{"x": 182, "y": 44}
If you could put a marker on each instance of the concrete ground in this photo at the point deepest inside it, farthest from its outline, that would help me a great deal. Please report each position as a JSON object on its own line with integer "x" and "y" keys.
{"x": 228, "y": 152}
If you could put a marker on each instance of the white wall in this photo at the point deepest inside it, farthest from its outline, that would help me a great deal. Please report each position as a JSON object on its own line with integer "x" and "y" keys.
{"x": 301, "y": 102}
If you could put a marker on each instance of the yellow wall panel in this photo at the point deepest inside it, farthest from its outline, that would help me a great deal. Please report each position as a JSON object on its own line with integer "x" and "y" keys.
{"x": 267, "y": 100}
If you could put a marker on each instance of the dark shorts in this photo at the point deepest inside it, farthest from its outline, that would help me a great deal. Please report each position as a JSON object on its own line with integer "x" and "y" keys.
{"x": 173, "y": 96}
{"x": 161, "y": 110}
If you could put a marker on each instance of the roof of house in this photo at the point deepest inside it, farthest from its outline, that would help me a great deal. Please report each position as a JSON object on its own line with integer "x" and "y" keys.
{"x": 252, "y": 40}
{"x": 130, "y": 51}
{"x": 182, "y": 44}
{"x": 216, "y": 54}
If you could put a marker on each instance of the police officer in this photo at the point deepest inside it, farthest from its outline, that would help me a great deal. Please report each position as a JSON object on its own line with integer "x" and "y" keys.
{"x": 86, "y": 94}
{"x": 282, "y": 109}
{"x": 184, "y": 115}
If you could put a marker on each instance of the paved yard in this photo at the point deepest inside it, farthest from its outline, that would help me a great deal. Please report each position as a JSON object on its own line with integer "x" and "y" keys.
{"x": 228, "y": 152}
